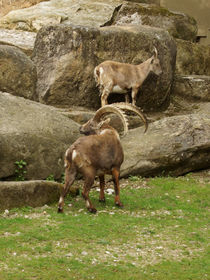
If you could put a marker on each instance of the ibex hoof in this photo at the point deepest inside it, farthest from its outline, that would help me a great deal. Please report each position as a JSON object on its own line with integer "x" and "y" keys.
{"x": 92, "y": 210}
{"x": 60, "y": 210}
{"x": 119, "y": 204}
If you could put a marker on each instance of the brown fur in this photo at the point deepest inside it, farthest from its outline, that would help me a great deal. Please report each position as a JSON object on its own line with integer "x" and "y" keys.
{"x": 94, "y": 155}
{"x": 110, "y": 74}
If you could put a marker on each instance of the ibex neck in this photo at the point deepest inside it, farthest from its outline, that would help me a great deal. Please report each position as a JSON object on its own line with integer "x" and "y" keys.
{"x": 144, "y": 68}
{"x": 109, "y": 131}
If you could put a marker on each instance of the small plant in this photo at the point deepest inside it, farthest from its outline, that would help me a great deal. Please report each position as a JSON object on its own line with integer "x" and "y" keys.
{"x": 134, "y": 178}
{"x": 20, "y": 170}
{"x": 50, "y": 178}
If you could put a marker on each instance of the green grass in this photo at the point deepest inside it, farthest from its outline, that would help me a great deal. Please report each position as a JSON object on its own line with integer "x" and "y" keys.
{"x": 161, "y": 233}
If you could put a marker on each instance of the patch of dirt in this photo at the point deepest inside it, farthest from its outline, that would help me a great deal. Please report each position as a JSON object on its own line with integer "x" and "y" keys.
{"x": 8, "y": 5}
{"x": 203, "y": 176}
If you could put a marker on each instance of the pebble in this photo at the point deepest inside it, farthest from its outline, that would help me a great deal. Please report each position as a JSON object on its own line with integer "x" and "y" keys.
{"x": 69, "y": 255}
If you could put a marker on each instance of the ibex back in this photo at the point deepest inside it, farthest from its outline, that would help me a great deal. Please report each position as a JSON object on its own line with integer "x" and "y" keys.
{"x": 112, "y": 76}
{"x": 97, "y": 154}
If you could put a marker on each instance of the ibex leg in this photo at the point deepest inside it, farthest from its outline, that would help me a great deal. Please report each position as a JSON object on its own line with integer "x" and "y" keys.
{"x": 70, "y": 174}
{"x": 127, "y": 98}
{"x": 134, "y": 95}
{"x": 87, "y": 186}
{"x": 105, "y": 94}
{"x": 115, "y": 175}
{"x": 102, "y": 186}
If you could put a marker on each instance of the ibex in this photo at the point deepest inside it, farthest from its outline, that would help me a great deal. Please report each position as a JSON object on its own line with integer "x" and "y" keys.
{"x": 116, "y": 77}
{"x": 96, "y": 154}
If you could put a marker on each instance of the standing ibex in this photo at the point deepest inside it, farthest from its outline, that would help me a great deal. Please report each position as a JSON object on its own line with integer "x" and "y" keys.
{"x": 112, "y": 76}
{"x": 97, "y": 154}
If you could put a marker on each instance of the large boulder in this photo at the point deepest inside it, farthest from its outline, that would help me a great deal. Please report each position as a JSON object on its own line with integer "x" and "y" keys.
{"x": 192, "y": 59}
{"x": 21, "y": 39}
{"x": 65, "y": 57}
{"x": 34, "y": 193}
{"x": 190, "y": 95}
{"x": 192, "y": 87}
{"x": 34, "y": 133}
{"x": 179, "y": 25}
{"x": 83, "y": 12}
{"x": 156, "y": 2}
{"x": 174, "y": 145}
{"x": 28, "y": 193}
{"x": 17, "y": 72}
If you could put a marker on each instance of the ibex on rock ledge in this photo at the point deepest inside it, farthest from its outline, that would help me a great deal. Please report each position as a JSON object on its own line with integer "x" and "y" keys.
{"x": 97, "y": 154}
{"x": 112, "y": 76}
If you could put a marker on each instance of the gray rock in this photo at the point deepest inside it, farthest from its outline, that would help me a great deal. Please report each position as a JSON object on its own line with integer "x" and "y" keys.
{"x": 192, "y": 58}
{"x": 179, "y": 25}
{"x": 65, "y": 57}
{"x": 21, "y": 39}
{"x": 40, "y": 134}
{"x": 192, "y": 87}
{"x": 180, "y": 105}
{"x": 173, "y": 145}
{"x": 157, "y": 2}
{"x": 35, "y": 133}
{"x": 83, "y": 12}
{"x": 17, "y": 73}
{"x": 82, "y": 115}
{"x": 28, "y": 193}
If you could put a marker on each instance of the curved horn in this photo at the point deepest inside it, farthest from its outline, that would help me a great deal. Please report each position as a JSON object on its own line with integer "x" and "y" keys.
{"x": 132, "y": 108}
{"x": 155, "y": 51}
{"x": 108, "y": 109}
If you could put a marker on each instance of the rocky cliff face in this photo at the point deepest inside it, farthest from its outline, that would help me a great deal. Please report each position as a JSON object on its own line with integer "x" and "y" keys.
{"x": 65, "y": 57}
{"x": 37, "y": 133}
{"x": 17, "y": 73}
{"x": 177, "y": 24}
{"x": 72, "y": 38}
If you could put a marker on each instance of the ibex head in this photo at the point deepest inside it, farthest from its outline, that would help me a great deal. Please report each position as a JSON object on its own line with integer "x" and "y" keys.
{"x": 97, "y": 123}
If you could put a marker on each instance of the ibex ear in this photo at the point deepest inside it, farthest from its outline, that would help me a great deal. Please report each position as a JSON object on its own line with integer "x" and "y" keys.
{"x": 103, "y": 122}
{"x": 107, "y": 121}
{"x": 152, "y": 61}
